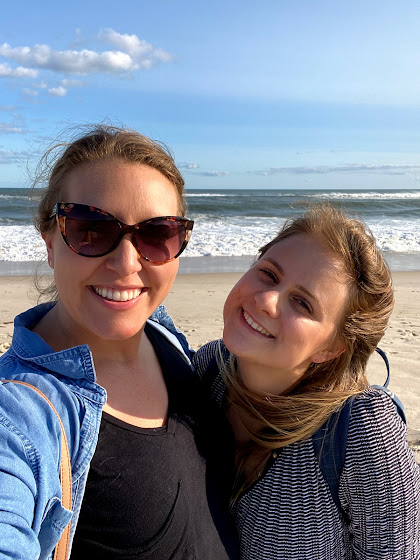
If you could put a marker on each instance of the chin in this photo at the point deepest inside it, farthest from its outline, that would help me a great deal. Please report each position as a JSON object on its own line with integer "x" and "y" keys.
{"x": 117, "y": 332}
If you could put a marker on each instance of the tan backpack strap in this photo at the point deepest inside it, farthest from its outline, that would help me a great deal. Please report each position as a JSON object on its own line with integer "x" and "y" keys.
{"x": 62, "y": 547}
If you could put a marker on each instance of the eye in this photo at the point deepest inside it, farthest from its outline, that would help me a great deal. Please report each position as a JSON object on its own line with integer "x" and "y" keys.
{"x": 269, "y": 274}
{"x": 304, "y": 304}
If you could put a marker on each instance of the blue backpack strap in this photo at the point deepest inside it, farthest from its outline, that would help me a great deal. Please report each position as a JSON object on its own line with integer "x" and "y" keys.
{"x": 398, "y": 404}
{"x": 330, "y": 443}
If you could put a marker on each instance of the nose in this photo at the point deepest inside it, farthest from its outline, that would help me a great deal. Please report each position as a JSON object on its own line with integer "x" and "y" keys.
{"x": 124, "y": 259}
{"x": 269, "y": 301}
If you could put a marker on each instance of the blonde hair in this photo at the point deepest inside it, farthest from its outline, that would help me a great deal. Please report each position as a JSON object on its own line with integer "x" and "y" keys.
{"x": 279, "y": 420}
{"x": 92, "y": 144}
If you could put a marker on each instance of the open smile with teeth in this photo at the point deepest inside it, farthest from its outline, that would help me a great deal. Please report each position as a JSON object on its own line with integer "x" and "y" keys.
{"x": 255, "y": 325}
{"x": 116, "y": 295}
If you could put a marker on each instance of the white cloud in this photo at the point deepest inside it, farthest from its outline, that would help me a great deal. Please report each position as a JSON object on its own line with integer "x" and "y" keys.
{"x": 30, "y": 92}
{"x": 213, "y": 173}
{"x": 8, "y": 156}
{"x": 134, "y": 54}
{"x": 192, "y": 166}
{"x": 187, "y": 165}
{"x": 130, "y": 55}
{"x": 6, "y": 128}
{"x": 72, "y": 83}
{"x": 143, "y": 52}
{"x": 69, "y": 62}
{"x": 387, "y": 169}
{"x": 59, "y": 91}
{"x": 78, "y": 38}
{"x": 20, "y": 72}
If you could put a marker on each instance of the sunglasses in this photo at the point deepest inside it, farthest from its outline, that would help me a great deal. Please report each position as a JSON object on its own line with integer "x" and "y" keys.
{"x": 92, "y": 232}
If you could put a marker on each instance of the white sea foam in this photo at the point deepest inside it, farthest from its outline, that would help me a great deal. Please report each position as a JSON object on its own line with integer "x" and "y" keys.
{"x": 13, "y": 197}
{"x": 234, "y": 237}
{"x": 208, "y": 194}
{"x": 325, "y": 195}
{"x": 218, "y": 238}
{"x": 403, "y": 195}
{"x": 21, "y": 243}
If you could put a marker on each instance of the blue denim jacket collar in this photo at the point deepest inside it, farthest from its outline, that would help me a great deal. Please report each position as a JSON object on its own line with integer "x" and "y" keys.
{"x": 76, "y": 362}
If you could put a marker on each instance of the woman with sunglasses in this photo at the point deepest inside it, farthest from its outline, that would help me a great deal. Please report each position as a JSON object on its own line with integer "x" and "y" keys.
{"x": 299, "y": 328}
{"x": 148, "y": 475}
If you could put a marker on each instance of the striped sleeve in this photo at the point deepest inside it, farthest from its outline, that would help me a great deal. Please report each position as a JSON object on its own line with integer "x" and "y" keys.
{"x": 380, "y": 483}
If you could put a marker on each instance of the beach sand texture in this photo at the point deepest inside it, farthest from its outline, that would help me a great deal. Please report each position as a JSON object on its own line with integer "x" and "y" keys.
{"x": 196, "y": 303}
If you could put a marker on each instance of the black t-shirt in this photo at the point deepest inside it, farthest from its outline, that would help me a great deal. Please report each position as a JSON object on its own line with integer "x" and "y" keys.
{"x": 161, "y": 493}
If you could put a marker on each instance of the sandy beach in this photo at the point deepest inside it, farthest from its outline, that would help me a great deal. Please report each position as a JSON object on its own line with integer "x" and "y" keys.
{"x": 196, "y": 303}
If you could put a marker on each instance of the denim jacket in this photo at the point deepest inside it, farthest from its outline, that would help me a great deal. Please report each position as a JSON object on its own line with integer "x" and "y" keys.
{"x": 32, "y": 517}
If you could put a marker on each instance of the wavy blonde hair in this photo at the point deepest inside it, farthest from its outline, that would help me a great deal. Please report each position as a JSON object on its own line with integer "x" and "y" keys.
{"x": 275, "y": 421}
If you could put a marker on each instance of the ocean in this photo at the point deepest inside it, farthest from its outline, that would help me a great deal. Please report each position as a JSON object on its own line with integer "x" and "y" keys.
{"x": 230, "y": 225}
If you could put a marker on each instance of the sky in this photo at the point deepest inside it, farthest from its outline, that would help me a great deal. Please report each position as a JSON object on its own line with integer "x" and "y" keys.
{"x": 288, "y": 94}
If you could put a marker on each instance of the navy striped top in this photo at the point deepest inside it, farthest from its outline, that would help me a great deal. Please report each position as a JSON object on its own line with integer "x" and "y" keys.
{"x": 289, "y": 513}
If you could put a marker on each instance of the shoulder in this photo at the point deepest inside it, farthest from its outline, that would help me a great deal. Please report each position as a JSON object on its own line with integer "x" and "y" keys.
{"x": 376, "y": 431}
{"x": 380, "y": 484}
{"x": 28, "y": 398}
{"x": 375, "y": 409}
{"x": 27, "y": 416}
{"x": 167, "y": 338}
{"x": 162, "y": 318}
{"x": 29, "y": 427}
{"x": 204, "y": 356}
{"x": 206, "y": 364}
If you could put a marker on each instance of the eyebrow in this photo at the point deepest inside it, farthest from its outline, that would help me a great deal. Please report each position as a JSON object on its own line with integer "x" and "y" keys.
{"x": 299, "y": 286}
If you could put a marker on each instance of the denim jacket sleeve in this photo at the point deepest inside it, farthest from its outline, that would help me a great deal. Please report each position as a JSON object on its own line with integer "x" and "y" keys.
{"x": 31, "y": 515}
{"x": 17, "y": 495}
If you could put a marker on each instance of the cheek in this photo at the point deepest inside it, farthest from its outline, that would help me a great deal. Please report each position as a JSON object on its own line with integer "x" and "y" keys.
{"x": 226, "y": 311}
{"x": 230, "y": 304}
{"x": 71, "y": 269}
{"x": 166, "y": 274}
{"x": 304, "y": 333}
{"x": 66, "y": 272}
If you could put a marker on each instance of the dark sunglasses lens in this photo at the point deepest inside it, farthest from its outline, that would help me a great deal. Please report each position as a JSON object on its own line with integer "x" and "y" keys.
{"x": 160, "y": 240}
{"x": 91, "y": 233}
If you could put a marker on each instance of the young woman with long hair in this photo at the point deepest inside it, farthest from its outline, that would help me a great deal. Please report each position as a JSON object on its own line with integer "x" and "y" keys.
{"x": 299, "y": 329}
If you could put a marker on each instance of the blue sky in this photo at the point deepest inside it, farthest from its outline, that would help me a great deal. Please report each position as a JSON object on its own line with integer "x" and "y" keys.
{"x": 268, "y": 94}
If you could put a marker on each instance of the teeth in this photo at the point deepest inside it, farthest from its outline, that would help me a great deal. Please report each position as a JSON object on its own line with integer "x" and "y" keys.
{"x": 255, "y": 325}
{"x": 116, "y": 295}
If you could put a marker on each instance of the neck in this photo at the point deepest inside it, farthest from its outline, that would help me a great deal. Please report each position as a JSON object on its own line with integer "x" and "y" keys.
{"x": 60, "y": 334}
{"x": 264, "y": 381}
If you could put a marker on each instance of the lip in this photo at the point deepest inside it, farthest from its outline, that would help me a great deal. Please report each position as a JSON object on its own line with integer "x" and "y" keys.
{"x": 258, "y": 329}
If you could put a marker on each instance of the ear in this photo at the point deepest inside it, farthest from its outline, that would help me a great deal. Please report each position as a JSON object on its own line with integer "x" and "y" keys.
{"x": 48, "y": 238}
{"x": 330, "y": 353}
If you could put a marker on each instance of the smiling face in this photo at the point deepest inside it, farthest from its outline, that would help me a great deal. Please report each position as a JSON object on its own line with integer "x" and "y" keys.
{"x": 111, "y": 297}
{"x": 284, "y": 312}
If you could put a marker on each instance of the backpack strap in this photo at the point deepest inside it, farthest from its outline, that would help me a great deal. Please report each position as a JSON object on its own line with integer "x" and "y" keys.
{"x": 398, "y": 404}
{"x": 330, "y": 440}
